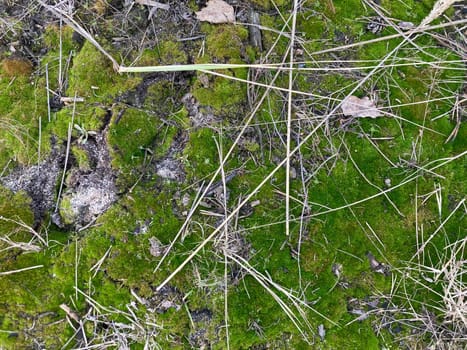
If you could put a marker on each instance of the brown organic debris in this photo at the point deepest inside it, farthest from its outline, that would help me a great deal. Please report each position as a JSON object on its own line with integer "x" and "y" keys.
{"x": 360, "y": 107}
{"x": 377, "y": 266}
{"x": 16, "y": 66}
{"x": 216, "y": 11}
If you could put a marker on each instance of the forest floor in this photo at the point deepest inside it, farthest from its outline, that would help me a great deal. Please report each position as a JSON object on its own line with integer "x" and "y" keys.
{"x": 292, "y": 179}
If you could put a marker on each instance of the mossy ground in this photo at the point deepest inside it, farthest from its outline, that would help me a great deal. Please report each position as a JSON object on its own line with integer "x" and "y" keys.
{"x": 107, "y": 269}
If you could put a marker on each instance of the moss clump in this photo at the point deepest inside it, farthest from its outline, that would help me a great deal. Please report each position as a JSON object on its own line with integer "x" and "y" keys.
{"x": 52, "y": 39}
{"x": 163, "y": 98}
{"x": 66, "y": 211}
{"x": 171, "y": 53}
{"x": 14, "y": 207}
{"x": 165, "y": 53}
{"x": 131, "y": 137}
{"x": 93, "y": 77}
{"x": 200, "y": 155}
{"x": 81, "y": 157}
{"x": 268, "y": 4}
{"x": 224, "y": 44}
{"x": 19, "y": 114}
{"x": 225, "y": 96}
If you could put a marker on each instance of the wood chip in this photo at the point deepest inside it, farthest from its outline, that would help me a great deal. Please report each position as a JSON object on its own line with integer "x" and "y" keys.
{"x": 155, "y": 4}
{"x": 70, "y": 313}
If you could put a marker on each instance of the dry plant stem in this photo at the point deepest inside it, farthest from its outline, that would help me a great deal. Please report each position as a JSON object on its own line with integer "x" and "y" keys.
{"x": 268, "y": 177}
{"x": 96, "y": 267}
{"x": 422, "y": 247}
{"x": 39, "y": 140}
{"x": 438, "y": 9}
{"x": 289, "y": 120}
{"x": 5, "y": 273}
{"x": 389, "y": 37}
{"x": 269, "y": 66}
{"x": 27, "y": 247}
{"x": 27, "y": 228}
{"x": 47, "y": 90}
{"x": 70, "y": 129}
{"x": 77, "y": 258}
{"x": 60, "y": 87}
{"x": 226, "y": 244}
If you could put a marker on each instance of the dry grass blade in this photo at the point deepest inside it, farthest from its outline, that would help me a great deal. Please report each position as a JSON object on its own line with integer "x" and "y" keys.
{"x": 63, "y": 15}
{"x": 5, "y": 273}
{"x": 438, "y": 9}
{"x": 289, "y": 119}
{"x": 28, "y": 228}
{"x": 439, "y": 228}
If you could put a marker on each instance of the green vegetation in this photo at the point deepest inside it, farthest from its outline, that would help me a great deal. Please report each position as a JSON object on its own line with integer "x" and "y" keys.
{"x": 391, "y": 188}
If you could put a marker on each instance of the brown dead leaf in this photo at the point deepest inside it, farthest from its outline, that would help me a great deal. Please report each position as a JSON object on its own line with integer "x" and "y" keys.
{"x": 360, "y": 107}
{"x": 216, "y": 11}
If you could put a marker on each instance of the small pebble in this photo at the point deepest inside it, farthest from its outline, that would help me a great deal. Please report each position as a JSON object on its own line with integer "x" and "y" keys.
{"x": 293, "y": 173}
{"x": 321, "y": 332}
{"x": 406, "y": 25}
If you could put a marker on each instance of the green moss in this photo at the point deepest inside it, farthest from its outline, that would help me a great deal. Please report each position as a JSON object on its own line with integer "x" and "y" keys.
{"x": 132, "y": 135}
{"x": 52, "y": 38}
{"x": 165, "y": 53}
{"x": 66, "y": 212}
{"x": 19, "y": 120}
{"x": 14, "y": 206}
{"x": 171, "y": 53}
{"x": 151, "y": 208}
{"x": 224, "y": 44}
{"x": 93, "y": 78}
{"x": 31, "y": 299}
{"x": 225, "y": 96}
{"x": 268, "y": 4}
{"x": 163, "y": 99}
{"x": 201, "y": 153}
{"x": 81, "y": 158}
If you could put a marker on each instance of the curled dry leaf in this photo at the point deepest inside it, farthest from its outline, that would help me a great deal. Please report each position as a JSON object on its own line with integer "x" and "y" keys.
{"x": 360, "y": 107}
{"x": 216, "y": 11}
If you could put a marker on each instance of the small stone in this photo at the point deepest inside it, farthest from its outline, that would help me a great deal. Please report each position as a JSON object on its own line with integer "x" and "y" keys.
{"x": 255, "y": 203}
{"x": 321, "y": 332}
{"x": 337, "y": 269}
{"x": 406, "y": 25}
{"x": 293, "y": 173}
{"x": 156, "y": 249}
{"x": 186, "y": 200}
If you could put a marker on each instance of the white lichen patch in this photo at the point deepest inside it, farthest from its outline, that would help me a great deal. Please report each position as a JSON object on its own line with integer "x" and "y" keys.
{"x": 88, "y": 203}
{"x": 89, "y": 193}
